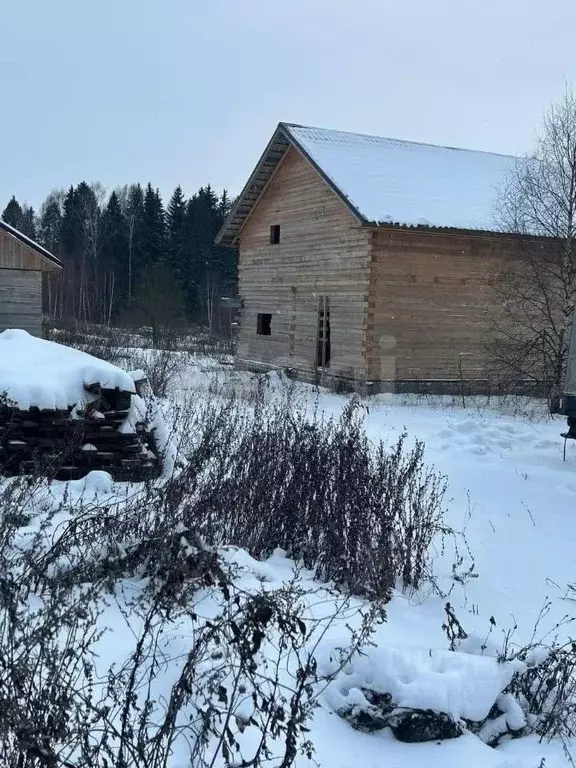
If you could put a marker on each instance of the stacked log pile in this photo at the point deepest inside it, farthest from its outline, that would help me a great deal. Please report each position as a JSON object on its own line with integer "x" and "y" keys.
{"x": 67, "y": 444}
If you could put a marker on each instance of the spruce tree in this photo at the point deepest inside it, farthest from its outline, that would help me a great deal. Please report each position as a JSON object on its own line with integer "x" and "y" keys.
{"x": 28, "y": 225}
{"x": 176, "y": 231}
{"x": 50, "y": 231}
{"x": 114, "y": 259}
{"x": 226, "y": 257}
{"x": 153, "y": 227}
{"x": 13, "y": 213}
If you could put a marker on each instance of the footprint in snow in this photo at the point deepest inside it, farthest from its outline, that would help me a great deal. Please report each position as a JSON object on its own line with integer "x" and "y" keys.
{"x": 545, "y": 444}
{"x": 509, "y": 428}
{"x": 466, "y": 426}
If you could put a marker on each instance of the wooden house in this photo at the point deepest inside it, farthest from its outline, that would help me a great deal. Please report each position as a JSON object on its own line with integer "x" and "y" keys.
{"x": 364, "y": 259}
{"x": 22, "y": 262}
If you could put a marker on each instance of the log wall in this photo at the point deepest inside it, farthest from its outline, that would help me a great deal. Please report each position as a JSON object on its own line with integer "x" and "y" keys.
{"x": 430, "y": 307}
{"x": 322, "y": 252}
{"x": 21, "y": 300}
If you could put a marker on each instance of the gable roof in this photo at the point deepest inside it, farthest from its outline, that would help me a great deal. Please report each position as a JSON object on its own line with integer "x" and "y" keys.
{"x": 386, "y": 182}
{"x": 30, "y": 243}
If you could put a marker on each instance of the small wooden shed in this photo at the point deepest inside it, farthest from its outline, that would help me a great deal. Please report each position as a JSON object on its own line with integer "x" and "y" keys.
{"x": 22, "y": 262}
{"x": 365, "y": 259}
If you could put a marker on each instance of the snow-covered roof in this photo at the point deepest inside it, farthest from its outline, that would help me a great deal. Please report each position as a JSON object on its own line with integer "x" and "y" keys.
{"x": 403, "y": 182}
{"x": 387, "y": 181}
{"x": 43, "y": 374}
{"x": 30, "y": 243}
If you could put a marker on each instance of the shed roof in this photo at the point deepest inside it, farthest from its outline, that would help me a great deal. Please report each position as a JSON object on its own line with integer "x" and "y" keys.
{"x": 386, "y": 181}
{"x": 30, "y": 243}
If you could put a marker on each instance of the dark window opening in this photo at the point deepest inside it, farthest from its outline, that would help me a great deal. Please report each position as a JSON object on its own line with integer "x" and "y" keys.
{"x": 324, "y": 349}
{"x": 264, "y": 324}
{"x": 275, "y": 234}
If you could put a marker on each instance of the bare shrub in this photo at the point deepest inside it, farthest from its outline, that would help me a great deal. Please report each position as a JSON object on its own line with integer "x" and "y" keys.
{"x": 249, "y": 660}
{"x": 259, "y": 476}
{"x": 546, "y": 687}
{"x": 274, "y": 476}
{"x": 547, "y": 690}
{"x": 101, "y": 341}
{"x": 541, "y": 695}
{"x": 162, "y": 367}
{"x": 46, "y": 637}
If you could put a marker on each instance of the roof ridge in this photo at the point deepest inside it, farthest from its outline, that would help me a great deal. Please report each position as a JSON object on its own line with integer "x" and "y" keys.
{"x": 392, "y": 138}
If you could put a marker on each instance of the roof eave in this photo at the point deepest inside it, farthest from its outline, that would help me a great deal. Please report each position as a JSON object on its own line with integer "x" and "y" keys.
{"x": 446, "y": 230}
{"x": 253, "y": 188}
{"x": 39, "y": 249}
{"x": 276, "y": 148}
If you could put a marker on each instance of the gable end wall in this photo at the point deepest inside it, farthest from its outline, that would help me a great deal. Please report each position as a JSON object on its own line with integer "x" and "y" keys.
{"x": 322, "y": 252}
{"x": 14, "y": 254}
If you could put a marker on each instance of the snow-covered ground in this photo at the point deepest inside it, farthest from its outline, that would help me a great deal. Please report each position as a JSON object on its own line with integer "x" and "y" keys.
{"x": 512, "y": 496}
{"x": 509, "y": 489}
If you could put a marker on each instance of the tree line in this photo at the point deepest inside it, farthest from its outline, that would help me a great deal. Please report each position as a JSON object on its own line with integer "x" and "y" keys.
{"x": 127, "y": 256}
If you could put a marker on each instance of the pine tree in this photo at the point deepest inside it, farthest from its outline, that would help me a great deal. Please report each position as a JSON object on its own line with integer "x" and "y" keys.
{"x": 13, "y": 213}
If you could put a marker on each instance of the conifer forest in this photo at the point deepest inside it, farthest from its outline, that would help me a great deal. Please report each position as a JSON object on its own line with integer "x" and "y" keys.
{"x": 127, "y": 256}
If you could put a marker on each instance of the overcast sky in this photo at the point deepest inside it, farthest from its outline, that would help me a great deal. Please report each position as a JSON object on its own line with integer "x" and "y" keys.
{"x": 189, "y": 91}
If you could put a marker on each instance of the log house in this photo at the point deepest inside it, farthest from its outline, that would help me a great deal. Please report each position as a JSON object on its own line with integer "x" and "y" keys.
{"x": 363, "y": 261}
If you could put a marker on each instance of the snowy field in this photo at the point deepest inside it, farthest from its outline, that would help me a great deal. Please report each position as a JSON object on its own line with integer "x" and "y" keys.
{"x": 512, "y": 494}
{"x": 512, "y": 497}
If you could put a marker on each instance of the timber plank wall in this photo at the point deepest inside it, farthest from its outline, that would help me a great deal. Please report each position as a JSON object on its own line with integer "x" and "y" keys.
{"x": 21, "y": 270}
{"x": 21, "y": 300}
{"x": 322, "y": 252}
{"x": 14, "y": 254}
{"x": 430, "y": 306}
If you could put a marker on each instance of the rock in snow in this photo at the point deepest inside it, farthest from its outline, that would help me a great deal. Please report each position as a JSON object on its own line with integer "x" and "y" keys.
{"x": 418, "y": 725}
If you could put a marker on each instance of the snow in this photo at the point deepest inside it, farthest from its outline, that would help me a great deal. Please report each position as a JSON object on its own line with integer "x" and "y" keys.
{"x": 462, "y": 685}
{"x": 44, "y": 374}
{"x": 407, "y": 183}
{"x": 510, "y": 493}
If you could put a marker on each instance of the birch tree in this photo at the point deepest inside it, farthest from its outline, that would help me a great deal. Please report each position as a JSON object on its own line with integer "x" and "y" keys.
{"x": 537, "y": 284}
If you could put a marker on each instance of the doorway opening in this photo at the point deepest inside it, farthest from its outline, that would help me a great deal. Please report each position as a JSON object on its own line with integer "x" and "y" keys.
{"x": 323, "y": 347}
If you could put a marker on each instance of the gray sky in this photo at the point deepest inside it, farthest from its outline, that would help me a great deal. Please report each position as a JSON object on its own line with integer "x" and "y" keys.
{"x": 189, "y": 91}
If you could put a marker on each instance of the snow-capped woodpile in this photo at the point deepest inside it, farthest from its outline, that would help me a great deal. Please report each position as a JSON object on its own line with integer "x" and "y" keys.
{"x": 65, "y": 413}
